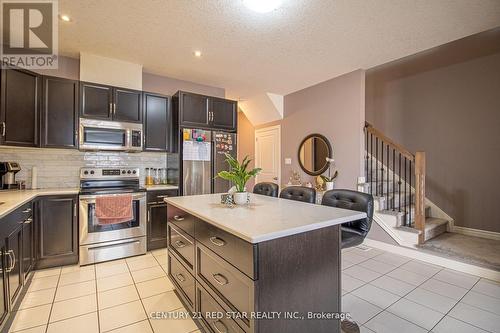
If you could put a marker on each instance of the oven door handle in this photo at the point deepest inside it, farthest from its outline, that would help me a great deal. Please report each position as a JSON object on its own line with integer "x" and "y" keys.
{"x": 91, "y": 198}
{"x": 112, "y": 245}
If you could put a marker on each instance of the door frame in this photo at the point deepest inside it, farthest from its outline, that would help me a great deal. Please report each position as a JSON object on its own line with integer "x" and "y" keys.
{"x": 265, "y": 129}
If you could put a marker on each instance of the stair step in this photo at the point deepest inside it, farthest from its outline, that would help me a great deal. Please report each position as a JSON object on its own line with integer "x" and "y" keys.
{"x": 434, "y": 227}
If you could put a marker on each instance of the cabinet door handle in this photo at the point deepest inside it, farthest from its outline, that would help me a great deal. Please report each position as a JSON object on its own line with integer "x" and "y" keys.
{"x": 220, "y": 279}
{"x": 180, "y": 277}
{"x": 178, "y": 218}
{"x": 217, "y": 241}
{"x": 162, "y": 196}
{"x": 8, "y": 260}
{"x": 111, "y": 108}
{"x": 222, "y": 328}
{"x": 27, "y": 210}
{"x": 12, "y": 260}
{"x": 114, "y": 109}
{"x": 3, "y": 128}
{"x": 28, "y": 221}
{"x": 180, "y": 244}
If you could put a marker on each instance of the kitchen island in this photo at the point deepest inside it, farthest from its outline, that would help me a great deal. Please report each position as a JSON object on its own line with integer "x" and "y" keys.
{"x": 267, "y": 267}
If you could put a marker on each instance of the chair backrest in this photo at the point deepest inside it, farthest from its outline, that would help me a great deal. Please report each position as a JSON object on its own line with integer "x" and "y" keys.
{"x": 299, "y": 193}
{"x": 265, "y": 188}
{"x": 353, "y": 200}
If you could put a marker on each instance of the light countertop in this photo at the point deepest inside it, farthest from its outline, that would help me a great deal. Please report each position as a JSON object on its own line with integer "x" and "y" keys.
{"x": 265, "y": 218}
{"x": 13, "y": 199}
{"x": 161, "y": 187}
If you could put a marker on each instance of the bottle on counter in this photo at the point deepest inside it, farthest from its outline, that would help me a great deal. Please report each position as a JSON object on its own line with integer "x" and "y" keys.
{"x": 149, "y": 177}
{"x": 163, "y": 176}
{"x": 156, "y": 177}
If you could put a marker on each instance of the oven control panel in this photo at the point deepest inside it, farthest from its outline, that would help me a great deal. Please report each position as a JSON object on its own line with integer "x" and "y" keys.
{"x": 115, "y": 173}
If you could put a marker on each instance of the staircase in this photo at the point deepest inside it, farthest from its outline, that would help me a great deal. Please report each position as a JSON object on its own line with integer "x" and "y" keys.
{"x": 396, "y": 179}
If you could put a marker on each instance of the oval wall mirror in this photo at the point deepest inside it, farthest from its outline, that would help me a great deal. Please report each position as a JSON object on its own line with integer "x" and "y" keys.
{"x": 313, "y": 151}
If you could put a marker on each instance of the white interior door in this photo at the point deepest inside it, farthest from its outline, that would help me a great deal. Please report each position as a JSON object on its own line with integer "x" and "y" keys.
{"x": 268, "y": 154}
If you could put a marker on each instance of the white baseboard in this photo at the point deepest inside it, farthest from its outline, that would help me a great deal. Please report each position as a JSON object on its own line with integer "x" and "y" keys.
{"x": 436, "y": 260}
{"x": 476, "y": 232}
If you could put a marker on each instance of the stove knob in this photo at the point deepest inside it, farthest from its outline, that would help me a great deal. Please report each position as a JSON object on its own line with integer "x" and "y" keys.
{"x": 91, "y": 172}
{"x": 134, "y": 172}
{"x": 129, "y": 172}
{"x": 123, "y": 172}
{"x": 85, "y": 172}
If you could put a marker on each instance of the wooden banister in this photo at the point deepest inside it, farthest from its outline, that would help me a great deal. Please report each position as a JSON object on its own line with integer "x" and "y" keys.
{"x": 396, "y": 165}
{"x": 370, "y": 129}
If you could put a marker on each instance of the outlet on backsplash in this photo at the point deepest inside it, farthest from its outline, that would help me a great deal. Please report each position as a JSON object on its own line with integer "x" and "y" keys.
{"x": 59, "y": 168}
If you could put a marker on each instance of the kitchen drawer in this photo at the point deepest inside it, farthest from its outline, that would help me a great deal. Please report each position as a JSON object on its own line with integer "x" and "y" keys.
{"x": 234, "y": 250}
{"x": 182, "y": 244}
{"x": 183, "y": 280}
{"x": 12, "y": 220}
{"x": 181, "y": 219}
{"x": 208, "y": 307}
{"x": 158, "y": 196}
{"x": 234, "y": 287}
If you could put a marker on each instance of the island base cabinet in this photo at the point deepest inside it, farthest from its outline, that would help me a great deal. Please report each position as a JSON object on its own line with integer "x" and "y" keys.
{"x": 57, "y": 231}
{"x": 292, "y": 276}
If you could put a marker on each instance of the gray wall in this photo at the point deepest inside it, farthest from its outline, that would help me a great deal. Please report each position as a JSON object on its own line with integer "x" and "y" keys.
{"x": 450, "y": 109}
{"x": 336, "y": 109}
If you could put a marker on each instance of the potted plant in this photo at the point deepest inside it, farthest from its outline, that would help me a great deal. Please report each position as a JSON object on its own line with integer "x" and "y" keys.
{"x": 329, "y": 180}
{"x": 239, "y": 175}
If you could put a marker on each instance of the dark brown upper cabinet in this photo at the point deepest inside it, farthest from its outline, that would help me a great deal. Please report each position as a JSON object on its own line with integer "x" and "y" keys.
{"x": 110, "y": 103}
{"x": 201, "y": 111}
{"x": 156, "y": 122}
{"x": 59, "y": 113}
{"x": 223, "y": 113}
{"x": 19, "y": 110}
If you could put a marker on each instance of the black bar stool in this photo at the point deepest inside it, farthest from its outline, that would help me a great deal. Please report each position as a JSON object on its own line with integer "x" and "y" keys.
{"x": 299, "y": 193}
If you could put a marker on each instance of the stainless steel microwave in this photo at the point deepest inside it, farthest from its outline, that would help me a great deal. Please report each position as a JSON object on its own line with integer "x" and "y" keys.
{"x": 110, "y": 135}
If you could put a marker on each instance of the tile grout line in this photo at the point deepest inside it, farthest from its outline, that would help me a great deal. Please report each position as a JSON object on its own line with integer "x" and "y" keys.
{"x": 138, "y": 294}
{"x": 52, "y": 305}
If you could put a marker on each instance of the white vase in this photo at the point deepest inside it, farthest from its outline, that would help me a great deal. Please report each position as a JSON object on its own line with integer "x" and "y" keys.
{"x": 329, "y": 186}
{"x": 240, "y": 198}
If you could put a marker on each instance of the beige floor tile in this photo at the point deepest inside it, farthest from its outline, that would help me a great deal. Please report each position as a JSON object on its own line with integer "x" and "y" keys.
{"x": 181, "y": 324}
{"x": 142, "y": 263}
{"x": 164, "y": 302}
{"x": 30, "y": 318}
{"x": 154, "y": 287}
{"x": 76, "y": 277}
{"x": 162, "y": 259}
{"x": 73, "y": 307}
{"x": 77, "y": 268}
{"x": 148, "y": 274}
{"x": 38, "y": 329}
{"x": 141, "y": 257}
{"x": 43, "y": 283}
{"x": 142, "y": 327}
{"x": 37, "y": 298}
{"x": 82, "y": 324}
{"x": 121, "y": 315}
{"x": 111, "y": 262}
{"x": 115, "y": 281}
{"x": 75, "y": 290}
{"x": 47, "y": 272}
{"x": 159, "y": 252}
{"x": 110, "y": 270}
{"x": 117, "y": 296}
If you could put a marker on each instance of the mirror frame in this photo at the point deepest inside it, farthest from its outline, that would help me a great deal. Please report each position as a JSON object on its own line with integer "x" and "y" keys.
{"x": 330, "y": 152}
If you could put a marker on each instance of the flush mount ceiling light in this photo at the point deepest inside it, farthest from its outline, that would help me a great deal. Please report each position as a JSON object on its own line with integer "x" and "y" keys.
{"x": 65, "y": 18}
{"x": 197, "y": 54}
{"x": 262, "y": 6}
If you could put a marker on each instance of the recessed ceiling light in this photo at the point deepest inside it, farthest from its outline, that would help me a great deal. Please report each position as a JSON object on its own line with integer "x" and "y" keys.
{"x": 197, "y": 54}
{"x": 65, "y": 18}
{"x": 263, "y": 6}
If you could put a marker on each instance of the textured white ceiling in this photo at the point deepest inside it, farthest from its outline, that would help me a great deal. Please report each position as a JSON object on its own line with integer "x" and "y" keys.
{"x": 302, "y": 43}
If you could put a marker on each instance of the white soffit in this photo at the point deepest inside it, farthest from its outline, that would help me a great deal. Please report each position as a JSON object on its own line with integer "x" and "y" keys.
{"x": 263, "y": 108}
{"x": 113, "y": 72}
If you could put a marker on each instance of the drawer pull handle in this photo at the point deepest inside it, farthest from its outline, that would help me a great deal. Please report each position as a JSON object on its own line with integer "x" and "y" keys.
{"x": 217, "y": 241}
{"x": 28, "y": 221}
{"x": 178, "y": 218}
{"x": 222, "y": 329}
{"x": 27, "y": 210}
{"x": 180, "y": 277}
{"x": 220, "y": 279}
{"x": 180, "y": 244}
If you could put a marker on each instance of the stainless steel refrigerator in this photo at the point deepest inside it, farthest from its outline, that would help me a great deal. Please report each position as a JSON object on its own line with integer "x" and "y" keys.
{"x": 202, "y": 157}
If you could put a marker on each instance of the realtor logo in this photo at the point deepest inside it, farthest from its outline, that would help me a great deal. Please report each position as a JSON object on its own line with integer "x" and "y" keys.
{"x": 29, "y": 37}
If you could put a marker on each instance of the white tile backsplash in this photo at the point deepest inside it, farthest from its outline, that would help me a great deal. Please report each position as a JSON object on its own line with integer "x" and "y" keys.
{"x": 59, "y": 168}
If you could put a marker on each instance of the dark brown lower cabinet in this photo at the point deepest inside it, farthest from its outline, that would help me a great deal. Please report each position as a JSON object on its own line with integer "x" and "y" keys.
{"x": 14, "y": 271}
{"x": 4, "y": 304}
{"x": 28, "y": 259}
{"x": 157, "y": 218}
{"x": 57, "y": 231}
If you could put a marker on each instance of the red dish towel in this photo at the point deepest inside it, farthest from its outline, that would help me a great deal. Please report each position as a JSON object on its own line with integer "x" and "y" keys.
{"x": 113, "y": 209}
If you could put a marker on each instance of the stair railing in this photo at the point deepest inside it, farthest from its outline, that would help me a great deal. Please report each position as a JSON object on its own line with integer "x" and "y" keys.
{"x": 398, "y": 175}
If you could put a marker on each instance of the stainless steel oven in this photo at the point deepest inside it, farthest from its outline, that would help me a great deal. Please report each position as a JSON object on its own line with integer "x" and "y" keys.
{"x": 100, "y": 242}
{"x": 110, "y": 135}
